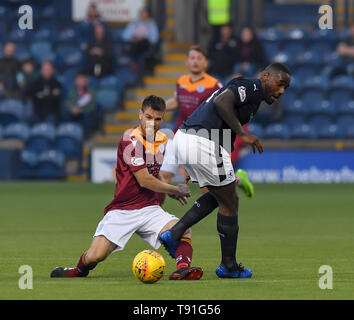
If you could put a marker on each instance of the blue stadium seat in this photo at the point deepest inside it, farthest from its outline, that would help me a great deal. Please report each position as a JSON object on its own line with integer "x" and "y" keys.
{"x": 284, "y": 57}
{"x": 107, "y": 82}
{"x": 67, "y": 35}
{"x": 43, "y": 34}
{"x": 316, "y": 82}
{"x": 276, "y": 131}
{"x": 297, "y": 107}
{"x": 346, "y": 108}
{"x": 126, "y": 76}
{"x": 297, "y": 34}
{"x": 294, "y": 119}
{"x": 290, "y": 96}
{"x": 340, "y": 99}
{"x": 294, "y": 47}
{"x": 272, "y": 34}
{"x": 18, "y": 130}
{"x": 11, "y": 110}
{"x": 41, "y": 50}
{"x": 255, "y": 129}
{"x": 312, "y": 99}
{"x": 348, "y": 132}
{"x": 69, "y": 139}
{"x": 309, "y": 58}
{"x": 51, "y": 164}
{"x": 302, "y": 131}
{"x": 1, "y": 132}
{"x": 331, "y": 131}
{"x": 107, "y": 98}
{"x": 48, "y": 12}
{"x": 320, "y": 120}
{"x": 3, "y": 31}
{"x": 68, "y": 55}
{"x": 22, "y": 51}
{"x": 29, "y": 161}
{"x": 18, "y": 35}
{"x": 345, "y": 121}
{"x": 41, "y": 137}
{"x": 321, "y": 47}
{"x": 324, "y": 107}
{"x": 304, "y": 72}
{"x": 271, "y": 48}
{"x": 323, "y": 34}
{"x": 342, "y": 82}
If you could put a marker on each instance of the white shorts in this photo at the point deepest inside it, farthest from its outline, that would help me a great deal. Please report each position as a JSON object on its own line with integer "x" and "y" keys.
{"x": 201, "y": 160}
{"x": 118, "y": 226}
{"x": 169, "y": 161}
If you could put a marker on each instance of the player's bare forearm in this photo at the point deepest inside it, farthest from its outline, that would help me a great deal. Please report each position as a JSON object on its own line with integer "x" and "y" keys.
{"x": 148, "y": 181}
{"x": 172, "y": 104}
{"x": 224, "y": 103}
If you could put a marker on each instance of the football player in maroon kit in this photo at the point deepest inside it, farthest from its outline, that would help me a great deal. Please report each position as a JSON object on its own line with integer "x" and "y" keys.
{"x": 135, "y": 207}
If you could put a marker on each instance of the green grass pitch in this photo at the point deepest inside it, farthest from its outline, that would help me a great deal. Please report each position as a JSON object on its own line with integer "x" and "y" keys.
{"x": 286, "y": 233}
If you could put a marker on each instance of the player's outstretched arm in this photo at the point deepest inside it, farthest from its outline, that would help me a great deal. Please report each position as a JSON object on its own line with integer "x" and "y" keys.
{"x": 148, "y": 181}
{"x": 172, "y": 104}
{"x": 224, "y": 104}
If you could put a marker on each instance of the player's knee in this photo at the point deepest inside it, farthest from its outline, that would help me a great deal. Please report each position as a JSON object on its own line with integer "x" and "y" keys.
{"x": 188, "y": 234}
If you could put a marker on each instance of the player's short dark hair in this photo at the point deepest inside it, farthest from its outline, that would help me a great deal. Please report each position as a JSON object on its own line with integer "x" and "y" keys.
{"x": 154, "y": 102}
{"x": 277, "y": 66}
{"x": 198, "y": 49}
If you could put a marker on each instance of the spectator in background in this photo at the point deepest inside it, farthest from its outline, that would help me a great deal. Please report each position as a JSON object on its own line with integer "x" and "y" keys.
{"x": 26, "y": 76}
{"x": 250, "y": 55}
{"x": 100, "y": 53}
{"x": 86, "y": 27}
{"x": 141, "y": 37}
{"x": 9, "y": 66}
{"x": 345, "y": 49}
{"x": 223, "y": 55}
{"x": 46, "y": 95}
{"x": 81, "y": 104}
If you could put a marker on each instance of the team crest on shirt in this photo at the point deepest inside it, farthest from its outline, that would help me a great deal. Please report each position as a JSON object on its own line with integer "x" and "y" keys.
{"x": 230, "y": 175}
{"x": 242, "y": 93}
{"x": 137, "y": 161}
{"x": 200, "y": 89}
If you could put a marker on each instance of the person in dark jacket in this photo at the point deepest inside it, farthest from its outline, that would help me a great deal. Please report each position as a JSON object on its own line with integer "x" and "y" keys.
{"x": 100, "y": 54}
{"x": 9, "y": 66}
{"x": 46, "y": 95}
{"x": 250, "y": 55}
{"x": 223, "y": 55}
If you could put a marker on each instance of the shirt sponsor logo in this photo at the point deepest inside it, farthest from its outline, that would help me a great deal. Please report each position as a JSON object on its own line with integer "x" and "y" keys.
{"x": 242, "y": 93}
{"x": 137, "y": 161}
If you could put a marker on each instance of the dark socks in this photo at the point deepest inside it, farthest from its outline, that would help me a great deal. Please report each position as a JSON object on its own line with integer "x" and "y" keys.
{"x": 202, "y": 207}
{"x": 227, "y": 227}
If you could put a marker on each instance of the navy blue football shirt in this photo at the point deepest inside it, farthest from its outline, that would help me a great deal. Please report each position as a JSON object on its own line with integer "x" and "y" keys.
{"x": 249, "y": 95}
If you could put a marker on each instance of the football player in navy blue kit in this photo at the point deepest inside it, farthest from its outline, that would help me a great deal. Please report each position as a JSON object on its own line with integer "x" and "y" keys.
{"x": 203, "y": 145}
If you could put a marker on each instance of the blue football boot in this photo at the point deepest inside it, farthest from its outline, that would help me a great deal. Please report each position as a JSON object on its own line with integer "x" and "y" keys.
{"x": 169, "y": 243}
{"x": 240, "y": 272}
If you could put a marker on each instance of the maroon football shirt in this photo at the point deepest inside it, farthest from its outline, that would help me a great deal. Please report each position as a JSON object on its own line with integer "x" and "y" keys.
{"x": 190, "y": 95}
{"x": 135, "y": 153}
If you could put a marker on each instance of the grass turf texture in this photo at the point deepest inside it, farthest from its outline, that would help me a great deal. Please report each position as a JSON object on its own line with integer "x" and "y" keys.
{"x": 286, "y": 233}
